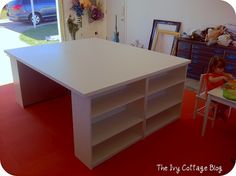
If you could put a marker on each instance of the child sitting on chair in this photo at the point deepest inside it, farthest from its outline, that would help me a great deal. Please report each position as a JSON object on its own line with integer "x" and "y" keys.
{"x": 217, "y": 77}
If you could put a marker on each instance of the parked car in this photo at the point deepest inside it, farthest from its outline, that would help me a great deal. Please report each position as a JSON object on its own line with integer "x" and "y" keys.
{"x": 20, "y": 10}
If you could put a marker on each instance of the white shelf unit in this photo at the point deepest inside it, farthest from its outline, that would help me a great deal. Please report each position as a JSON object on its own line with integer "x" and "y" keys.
{"x": 113, "y": 120}
{"x": 116, "y": 120}
{"x": 164, "y": 99}
{"x": 166, "y": 79}
{"x": 117, "y": 143}
{"x": 120, "y": 97}
{"x": 162, "y": 119}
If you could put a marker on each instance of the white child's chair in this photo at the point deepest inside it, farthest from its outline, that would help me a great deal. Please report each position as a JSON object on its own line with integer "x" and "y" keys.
{"x": 201, "y": 98}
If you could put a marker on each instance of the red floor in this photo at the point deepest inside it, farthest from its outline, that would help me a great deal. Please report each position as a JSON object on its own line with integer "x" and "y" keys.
{"x": 38, "y": 141}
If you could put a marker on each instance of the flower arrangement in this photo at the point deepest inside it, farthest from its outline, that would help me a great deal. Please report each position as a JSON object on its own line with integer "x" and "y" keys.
{"x": 72, "y": 26}
{"x": 86, "y": 3}
{"x": 93, "y": 8}
{"x": 77, "y": 7}
{"x": 94, "y": 12}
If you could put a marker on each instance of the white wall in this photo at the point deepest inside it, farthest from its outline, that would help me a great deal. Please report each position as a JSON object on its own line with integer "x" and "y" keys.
{"x": 193, "y": 14}
{"x": 88, "y": 29}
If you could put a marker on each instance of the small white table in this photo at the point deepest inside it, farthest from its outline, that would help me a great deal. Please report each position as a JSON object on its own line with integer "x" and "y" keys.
{"x": 119, "y": 93}
{"x": 215, "y": 95}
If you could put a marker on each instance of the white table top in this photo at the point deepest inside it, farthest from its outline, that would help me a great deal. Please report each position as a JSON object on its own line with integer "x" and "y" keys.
{"x": 217, "y": 94}
{"x": 89, "y": 66}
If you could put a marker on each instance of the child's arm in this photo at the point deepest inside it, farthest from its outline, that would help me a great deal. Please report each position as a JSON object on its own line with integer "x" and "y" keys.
{"x": 217, "y": 79}
{"x": 229, "y": 76}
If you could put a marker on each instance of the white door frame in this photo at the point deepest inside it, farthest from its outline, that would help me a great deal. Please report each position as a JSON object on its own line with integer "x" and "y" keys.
{"x": 60, "y": 20}
{"x": 3, "y": 3}
{"x": 125, "y": 20}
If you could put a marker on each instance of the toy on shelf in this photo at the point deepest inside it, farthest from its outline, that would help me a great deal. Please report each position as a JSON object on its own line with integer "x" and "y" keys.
{"x": 224, "y": 40}
{"x": 213, "y": 34}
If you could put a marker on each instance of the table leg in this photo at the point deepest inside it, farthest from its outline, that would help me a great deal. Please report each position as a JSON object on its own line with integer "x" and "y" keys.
{"x": 81, "y": 110}
{"x": 206, "y": 112}
{"x": 31, "y": 86}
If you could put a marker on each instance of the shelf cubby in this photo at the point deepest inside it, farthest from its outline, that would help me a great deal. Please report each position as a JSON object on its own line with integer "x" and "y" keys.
{"x": 117, "y": 143}
{"x": 166, "y": 80}
{"x": 117, "y": 98}
{"x": 164, "y": 99}
{"x": 117, "y": 121}
{"x": 162, "y": 119}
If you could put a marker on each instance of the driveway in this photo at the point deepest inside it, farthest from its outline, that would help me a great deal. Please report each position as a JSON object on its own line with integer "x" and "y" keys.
{"x": 9, "y": 38}
{"x": 9, "y": 35}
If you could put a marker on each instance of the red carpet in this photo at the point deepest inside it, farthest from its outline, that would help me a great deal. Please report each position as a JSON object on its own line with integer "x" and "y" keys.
{"x": 38, "y": 141}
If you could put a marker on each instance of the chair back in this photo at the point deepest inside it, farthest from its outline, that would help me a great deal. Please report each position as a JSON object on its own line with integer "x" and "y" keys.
{"x": 202, "y": 91}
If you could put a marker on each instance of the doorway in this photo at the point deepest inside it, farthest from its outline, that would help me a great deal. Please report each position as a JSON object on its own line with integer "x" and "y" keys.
{"x": 22, "y": 33}
{"x": 116, "y": 7}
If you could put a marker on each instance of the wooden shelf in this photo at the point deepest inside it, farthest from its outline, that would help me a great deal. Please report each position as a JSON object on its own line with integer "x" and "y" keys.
{"x": 162, "y": 100}
{"x": 113, "y": 125}
{"x": 166, "y": 80}
{"x": 162, "y": 119}
{"x": 153, "y": 108}
{"x": 114, "y": 100}
{"x": 159, "y": 87}
{"x": 116, "y": 144}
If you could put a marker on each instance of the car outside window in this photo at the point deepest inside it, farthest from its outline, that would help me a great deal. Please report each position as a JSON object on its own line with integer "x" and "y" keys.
{"x": 20, "y": 10}
{"x": 25, "y": 2}
{"x": 17, "y": 2}
{"x": 45, "y": 1}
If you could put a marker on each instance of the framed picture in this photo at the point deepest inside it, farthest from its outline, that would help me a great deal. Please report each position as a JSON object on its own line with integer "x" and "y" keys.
{"x": 164, "y": 41}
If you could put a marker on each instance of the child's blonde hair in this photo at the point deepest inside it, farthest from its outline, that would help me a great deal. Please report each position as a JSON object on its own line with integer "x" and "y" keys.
{"x": 216, "y": 62}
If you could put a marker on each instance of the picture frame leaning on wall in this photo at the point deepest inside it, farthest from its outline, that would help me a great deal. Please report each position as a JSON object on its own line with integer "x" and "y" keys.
{"x": 163, "y": 36}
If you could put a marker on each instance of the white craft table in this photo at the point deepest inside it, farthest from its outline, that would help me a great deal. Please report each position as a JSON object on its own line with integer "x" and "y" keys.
{"x": 217, "y": 96}
{"x": 119, "y": 93}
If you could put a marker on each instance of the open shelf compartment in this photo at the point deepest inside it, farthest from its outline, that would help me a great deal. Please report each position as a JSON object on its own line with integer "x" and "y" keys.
{"x": 117, "y": 143}
{"x": 166, "y": 80}
{"x": 162, "y": 119}
{"x": 117, "y": 98}
{"x": 117, "y": 121}
{"x": 164, "y": 99}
